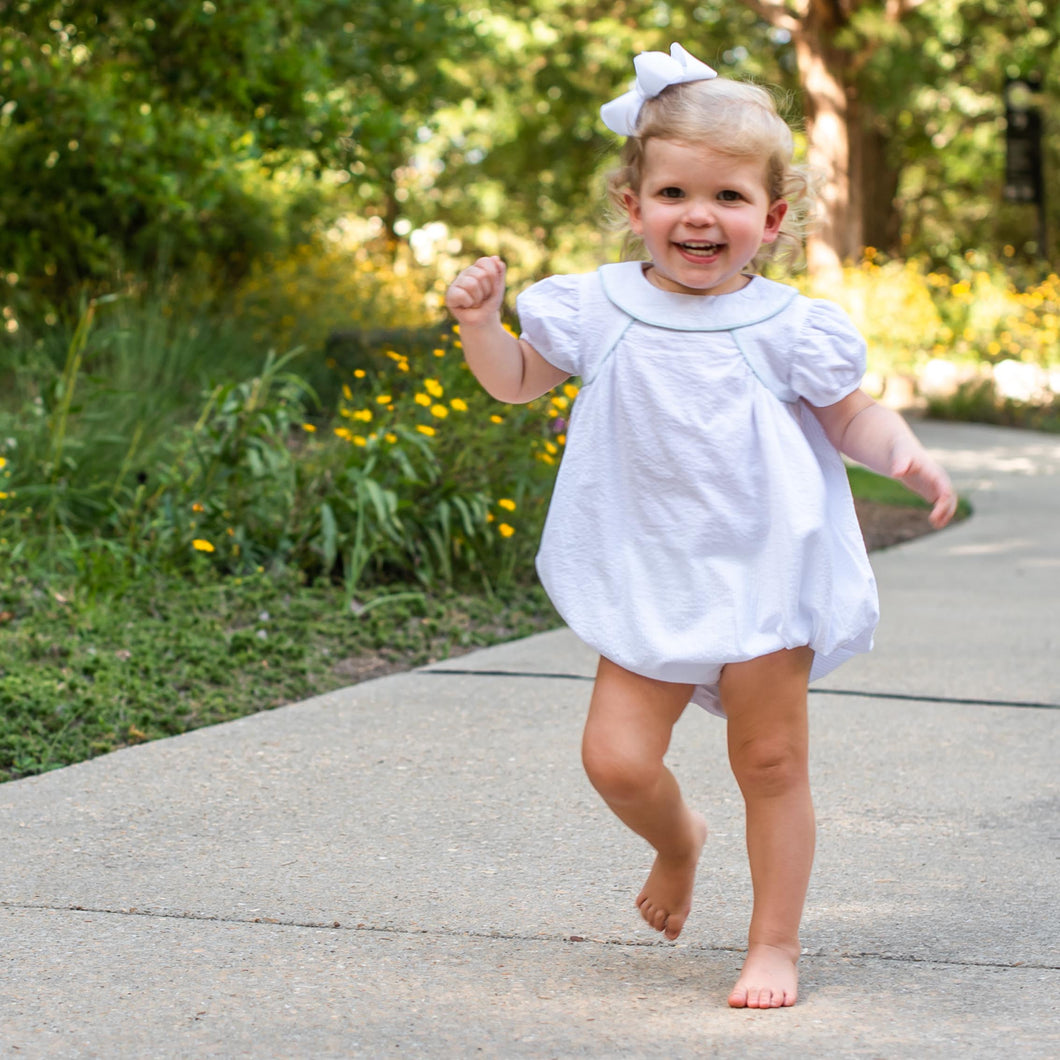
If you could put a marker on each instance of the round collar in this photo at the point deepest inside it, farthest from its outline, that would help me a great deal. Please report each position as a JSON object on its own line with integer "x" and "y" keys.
{"x": 627, "y": 287}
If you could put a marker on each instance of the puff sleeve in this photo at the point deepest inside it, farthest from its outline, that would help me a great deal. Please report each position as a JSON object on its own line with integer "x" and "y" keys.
{"x": 550, "y": 317}
{"x": 829, "y": 356}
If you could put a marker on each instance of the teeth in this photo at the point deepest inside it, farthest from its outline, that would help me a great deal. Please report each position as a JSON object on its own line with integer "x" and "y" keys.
{"x": 703, "y": 247}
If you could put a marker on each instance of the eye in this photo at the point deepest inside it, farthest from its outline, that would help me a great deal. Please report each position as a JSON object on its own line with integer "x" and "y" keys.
{"x": 671, "y": 193}
{"x": 729, "y": 195}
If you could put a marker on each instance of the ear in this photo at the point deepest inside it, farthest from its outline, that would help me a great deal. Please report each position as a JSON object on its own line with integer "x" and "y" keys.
{"x": 632, "y": 203}
{"x": 774, "y": 219}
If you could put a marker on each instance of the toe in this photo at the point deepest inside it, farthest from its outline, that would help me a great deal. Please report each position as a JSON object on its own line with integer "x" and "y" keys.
{"x": 673, "y": 926}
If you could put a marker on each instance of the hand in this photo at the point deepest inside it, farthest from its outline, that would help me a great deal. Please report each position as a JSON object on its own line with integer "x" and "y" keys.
{"x": 913, "y": 467}
{"x": 476, "y": 295}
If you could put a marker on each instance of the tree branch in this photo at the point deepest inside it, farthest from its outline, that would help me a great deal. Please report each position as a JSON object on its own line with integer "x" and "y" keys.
{"x": 777, "y": 13}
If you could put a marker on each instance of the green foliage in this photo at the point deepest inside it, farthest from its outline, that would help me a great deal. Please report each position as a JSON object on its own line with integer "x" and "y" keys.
{"x": 410, "y": 474}
{"x": 81, "y": 676}
{"x": 204, "y": 136}
{"x": 184, "y": 132}
{"x": 331, "y": 287}
{"x": 977, "y": 401}
{"x": 946, "y": 133}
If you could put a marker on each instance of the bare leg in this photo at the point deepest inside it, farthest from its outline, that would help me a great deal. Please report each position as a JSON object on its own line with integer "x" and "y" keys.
{"x": 626, "y": 735}
{"x": 765, "y": 700}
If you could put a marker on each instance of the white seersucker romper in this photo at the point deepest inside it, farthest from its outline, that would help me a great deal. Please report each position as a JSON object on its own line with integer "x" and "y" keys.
{"x": 700, "y": 515}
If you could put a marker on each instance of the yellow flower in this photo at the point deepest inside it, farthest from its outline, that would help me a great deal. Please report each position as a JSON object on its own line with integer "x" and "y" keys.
{"x": 3, "y": 461}
{"x": 422, "y": 399}
{"x": 496, "y": 419}
{"x": 344, "y": 432}
{"x": 459, "y": 404}
{"x": 571, "y": 391}
{"x": 359, "y": 439}
{"x": 439, "y": 411}
{"x": 424, "y": 429}
{"x": 505, "y": 530}
{"x": 384, "y": 399}
{"x": 507, "y": 504}
{"x": 200, "y": 544}
{"x": 309, "y": 428}
{"x": 347, "y": 393}
{"x": 390, "y": 437}
{"x": 358, "y": 373}
{"x": 439, "y": 353}
{"x": 364, "y": 415}
{"x": 433, "y": 387}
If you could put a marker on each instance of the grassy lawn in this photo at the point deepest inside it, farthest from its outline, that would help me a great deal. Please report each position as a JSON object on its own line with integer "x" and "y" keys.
{"x": 81, "y": 676}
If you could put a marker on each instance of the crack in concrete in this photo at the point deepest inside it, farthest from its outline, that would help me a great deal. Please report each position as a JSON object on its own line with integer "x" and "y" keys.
{"x": 914, "y": 697}
{"x": 376, "y": 929}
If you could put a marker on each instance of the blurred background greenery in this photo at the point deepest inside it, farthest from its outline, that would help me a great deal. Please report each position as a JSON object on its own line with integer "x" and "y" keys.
{"x": 226, "y": 230}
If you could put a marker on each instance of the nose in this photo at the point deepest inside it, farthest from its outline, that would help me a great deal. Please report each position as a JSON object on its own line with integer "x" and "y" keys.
{"x": 700, "y": 212}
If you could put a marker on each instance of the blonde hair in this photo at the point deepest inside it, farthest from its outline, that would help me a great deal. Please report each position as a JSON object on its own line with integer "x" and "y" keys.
{"x": 735, "y": 118}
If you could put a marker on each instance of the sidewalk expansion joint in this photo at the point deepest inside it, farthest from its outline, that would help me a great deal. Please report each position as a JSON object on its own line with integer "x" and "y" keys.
{"x": 912, "y": 697}
{"x": 500, "y": 936}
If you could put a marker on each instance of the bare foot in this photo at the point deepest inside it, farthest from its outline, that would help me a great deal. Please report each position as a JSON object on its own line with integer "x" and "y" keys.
{"x": 666, "y": 898}
{"x": 769, "y": 979}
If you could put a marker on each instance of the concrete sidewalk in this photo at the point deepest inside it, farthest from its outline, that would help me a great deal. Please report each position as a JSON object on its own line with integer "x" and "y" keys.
{"x": 416, "y": 866}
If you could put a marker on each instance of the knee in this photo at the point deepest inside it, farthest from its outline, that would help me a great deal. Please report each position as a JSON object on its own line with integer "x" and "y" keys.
{"x": 619, "y": 774}
{"x": 770, "y": 767}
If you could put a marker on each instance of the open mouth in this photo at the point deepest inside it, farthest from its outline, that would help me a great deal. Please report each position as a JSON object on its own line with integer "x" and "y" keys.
{"x": 703, "y": 250}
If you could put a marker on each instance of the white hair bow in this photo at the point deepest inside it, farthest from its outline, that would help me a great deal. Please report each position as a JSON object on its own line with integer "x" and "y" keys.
{"x": 655, "y": 71}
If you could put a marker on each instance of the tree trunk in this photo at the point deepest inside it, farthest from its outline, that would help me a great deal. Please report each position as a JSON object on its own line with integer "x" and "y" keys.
{"x": 845, "y": 148}
{"x": 881, "y": 223}
{"x": 833, "y": 146}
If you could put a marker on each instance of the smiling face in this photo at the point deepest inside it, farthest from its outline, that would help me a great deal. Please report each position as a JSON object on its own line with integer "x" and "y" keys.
{"x": 702, "y": 215}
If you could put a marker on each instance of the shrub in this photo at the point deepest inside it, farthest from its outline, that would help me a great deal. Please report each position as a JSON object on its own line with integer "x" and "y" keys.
{"x": 910, "y": 314}
{"x": 411, "y": 473}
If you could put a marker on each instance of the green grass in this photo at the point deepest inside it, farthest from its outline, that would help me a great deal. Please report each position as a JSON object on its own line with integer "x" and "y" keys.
{"x": 79, "y": 678}
{"x": 867, "y": 485}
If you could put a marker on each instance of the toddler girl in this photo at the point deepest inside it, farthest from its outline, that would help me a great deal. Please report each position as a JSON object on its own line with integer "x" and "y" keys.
{"x": 701, "y": 535}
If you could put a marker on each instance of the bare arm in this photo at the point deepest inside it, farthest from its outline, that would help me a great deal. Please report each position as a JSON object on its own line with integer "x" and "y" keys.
{"x": 508, "y": 368}
{"x": 881, "y": 440}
